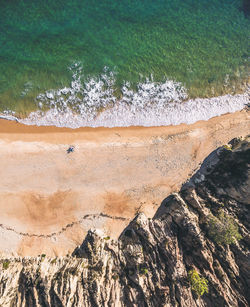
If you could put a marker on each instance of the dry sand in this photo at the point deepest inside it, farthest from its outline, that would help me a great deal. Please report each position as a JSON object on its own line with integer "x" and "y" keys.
{"x": 49, "y": 199}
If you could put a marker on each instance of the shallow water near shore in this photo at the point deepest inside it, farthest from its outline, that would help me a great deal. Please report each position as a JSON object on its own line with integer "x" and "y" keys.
{"x": 86, "y": 57}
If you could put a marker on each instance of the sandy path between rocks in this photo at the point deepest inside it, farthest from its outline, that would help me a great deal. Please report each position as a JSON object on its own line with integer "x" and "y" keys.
{"x": 49, "y": 199}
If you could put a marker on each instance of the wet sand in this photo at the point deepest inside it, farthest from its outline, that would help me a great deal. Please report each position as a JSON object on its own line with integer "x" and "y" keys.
{"x": 49, "y": 199}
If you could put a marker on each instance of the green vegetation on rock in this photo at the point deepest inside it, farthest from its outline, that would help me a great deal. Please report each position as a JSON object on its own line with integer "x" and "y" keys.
{"x": 223, "y": 229}
{"x": 6, "y": 264}
{"x": 143, "y": 271}
{"x": 53, "y": 261}
{"x": 227, "y": 147}
{"x": 198, "y": 284}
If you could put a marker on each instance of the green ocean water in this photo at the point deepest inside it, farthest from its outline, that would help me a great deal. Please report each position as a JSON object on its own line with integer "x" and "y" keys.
{"x": 203, "y": 44}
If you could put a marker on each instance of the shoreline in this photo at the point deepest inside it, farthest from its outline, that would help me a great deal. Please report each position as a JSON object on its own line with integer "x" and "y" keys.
{"x": 13, "y": 126}
{"x": 139, "y": 113}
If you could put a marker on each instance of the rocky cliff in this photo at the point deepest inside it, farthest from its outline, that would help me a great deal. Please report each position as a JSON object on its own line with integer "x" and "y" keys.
{"x": 203, "y": 229}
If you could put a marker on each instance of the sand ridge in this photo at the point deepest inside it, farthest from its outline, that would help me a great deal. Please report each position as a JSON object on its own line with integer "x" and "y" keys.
{"x": 113, "y": 173}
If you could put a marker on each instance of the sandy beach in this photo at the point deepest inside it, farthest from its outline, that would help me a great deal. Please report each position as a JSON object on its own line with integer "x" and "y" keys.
{"x": 49, "y": 198}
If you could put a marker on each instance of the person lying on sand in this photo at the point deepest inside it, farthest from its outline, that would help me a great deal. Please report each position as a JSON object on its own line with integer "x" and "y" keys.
{"x": 70, "y": 149}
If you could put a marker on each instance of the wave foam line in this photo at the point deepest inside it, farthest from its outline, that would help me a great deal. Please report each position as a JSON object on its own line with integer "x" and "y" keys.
{"x": 92, "y": 94}
{"x": 123, "y": 115}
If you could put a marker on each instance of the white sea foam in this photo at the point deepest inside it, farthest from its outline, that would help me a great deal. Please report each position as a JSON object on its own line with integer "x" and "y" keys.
{"x": 88, "y": 97}
{"x": 92, "y": 103}
{"x": 121, "y": 115}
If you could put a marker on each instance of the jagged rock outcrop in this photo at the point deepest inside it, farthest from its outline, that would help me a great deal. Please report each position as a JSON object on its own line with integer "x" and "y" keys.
{"x": 149, "y": 264}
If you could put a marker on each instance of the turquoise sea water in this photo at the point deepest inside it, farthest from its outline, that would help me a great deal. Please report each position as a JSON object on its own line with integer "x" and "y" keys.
{"x": 202, "y": 44}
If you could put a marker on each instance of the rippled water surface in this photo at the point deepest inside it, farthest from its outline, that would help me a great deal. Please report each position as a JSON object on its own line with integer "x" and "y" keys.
{"x": 85, "y": 55}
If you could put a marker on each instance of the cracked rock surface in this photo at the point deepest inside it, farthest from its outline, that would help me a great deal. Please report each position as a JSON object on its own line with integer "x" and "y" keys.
{"x": 149, "y": 264}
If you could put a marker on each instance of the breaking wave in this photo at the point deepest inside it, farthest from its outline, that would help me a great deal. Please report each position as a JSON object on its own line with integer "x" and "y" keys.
{"x": 92, "y": 103}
